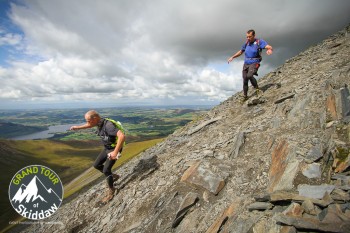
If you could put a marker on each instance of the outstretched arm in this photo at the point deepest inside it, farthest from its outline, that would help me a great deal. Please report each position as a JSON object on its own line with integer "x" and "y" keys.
{"x": 269, "y": 49}
{"x": 239, "y": 53}
{"x": 84, "y": 126}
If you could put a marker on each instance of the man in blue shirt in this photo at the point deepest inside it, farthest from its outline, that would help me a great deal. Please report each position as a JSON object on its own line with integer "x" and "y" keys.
{"x": 252, "y": 51}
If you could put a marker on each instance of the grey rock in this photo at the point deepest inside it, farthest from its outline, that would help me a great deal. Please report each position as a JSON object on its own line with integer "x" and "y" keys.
{"x": 312, "y": 224}
{"x": 132, "y": 227}
{"x": 334, "y": 215}
{"x": 262, "y": 198}
{"x": 238, "y": 141}
{"x": 202, "y": 125}
{"x": 220, "y": 156}
{"x": 284, "y": 98}
{"x": 312, "y": 170}
{"x": 294, "y": 209}
{"x": 288, "y": 229}
{"x": 208, "y": 153}
{"x": 343, "y": 178}
{"x": 204, "y": 176}
{"x": 282, "y": 196}
{"x": 315, "y": 153}
{"x": 187, "y": 203}
{"x": 260, "y": 206}
{"x": 340, "y": 195}
{"x": 243, "y": 224}
{"x": 206, "y": 195}
{"x": 345, "y": 102}
{"x": 276, "y": 123}
{"x": 309, "y": 207}
{"x": 287, "y": 179}
{"x": 315, "y": 191}
{"x": 255, "y": 101}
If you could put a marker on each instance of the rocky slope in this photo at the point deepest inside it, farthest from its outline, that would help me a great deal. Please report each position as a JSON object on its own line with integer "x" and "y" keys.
{"x": 278, "y": 163}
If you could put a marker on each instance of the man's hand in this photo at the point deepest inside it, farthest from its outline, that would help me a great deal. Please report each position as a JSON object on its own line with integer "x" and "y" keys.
{"x": 113, "y": 155}
{"x": 73, "y": 128}
{"x": 269, "y": 49}
{"x": 239, "y": 53}
{"x": 230, "y": 59}
{"x": 85, "y": 126}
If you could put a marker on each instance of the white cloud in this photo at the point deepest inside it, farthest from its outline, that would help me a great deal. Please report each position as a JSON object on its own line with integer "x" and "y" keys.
{"x": 10, "y": 39}
{"x": 134, "y": 51}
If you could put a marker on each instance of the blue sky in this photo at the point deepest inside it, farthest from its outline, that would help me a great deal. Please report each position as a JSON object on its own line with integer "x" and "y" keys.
{"x": 116, "y": 52}
{"x": 6, "y": 24}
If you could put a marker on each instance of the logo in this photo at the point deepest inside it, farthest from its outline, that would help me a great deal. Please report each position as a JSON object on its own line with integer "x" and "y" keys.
{"x": 36, "y": 192}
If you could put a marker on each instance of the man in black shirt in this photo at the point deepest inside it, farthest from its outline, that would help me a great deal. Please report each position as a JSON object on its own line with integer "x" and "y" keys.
{"x": 113, "y": 138}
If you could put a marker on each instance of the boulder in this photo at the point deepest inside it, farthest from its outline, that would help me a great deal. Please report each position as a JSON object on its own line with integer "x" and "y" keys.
{"x": 202, "y": 176}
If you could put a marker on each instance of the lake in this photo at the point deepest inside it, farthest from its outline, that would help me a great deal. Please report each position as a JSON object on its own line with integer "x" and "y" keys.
{"x": 46, "y": 133}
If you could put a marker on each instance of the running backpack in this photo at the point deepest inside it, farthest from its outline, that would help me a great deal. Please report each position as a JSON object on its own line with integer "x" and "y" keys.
{"x": 119, "y": 126}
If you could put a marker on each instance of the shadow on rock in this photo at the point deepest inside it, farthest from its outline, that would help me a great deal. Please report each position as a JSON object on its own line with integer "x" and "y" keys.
{"x": 141, "y": 170}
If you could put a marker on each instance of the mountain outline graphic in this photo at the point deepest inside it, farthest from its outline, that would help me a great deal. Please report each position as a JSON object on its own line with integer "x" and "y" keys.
{"x": 30, "y": 192}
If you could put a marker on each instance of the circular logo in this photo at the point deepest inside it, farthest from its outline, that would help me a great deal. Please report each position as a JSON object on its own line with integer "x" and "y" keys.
{"x": 36, "y": 192}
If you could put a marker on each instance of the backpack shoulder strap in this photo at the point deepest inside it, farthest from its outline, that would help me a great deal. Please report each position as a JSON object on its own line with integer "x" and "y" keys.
{"x": 257, "y": 42}
{"x": 246, "y": 43}
{"x": 259, "y": 49}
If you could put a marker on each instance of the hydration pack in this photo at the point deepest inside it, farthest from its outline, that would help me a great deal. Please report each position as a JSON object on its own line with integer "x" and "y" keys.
{"x": 112, "y": 140}
{"x": 116, "y": 124}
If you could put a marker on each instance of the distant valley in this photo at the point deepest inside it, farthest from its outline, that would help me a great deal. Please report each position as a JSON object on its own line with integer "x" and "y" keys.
{"x": 140, "y": 122}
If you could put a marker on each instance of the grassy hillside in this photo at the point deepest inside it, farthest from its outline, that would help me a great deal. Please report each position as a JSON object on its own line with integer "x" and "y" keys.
{"x": 66, "y": 160}
{"x": 71, "y": 160}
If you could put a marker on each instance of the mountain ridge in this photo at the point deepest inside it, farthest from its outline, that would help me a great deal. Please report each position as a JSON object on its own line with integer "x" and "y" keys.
{"x": 242, "y": 168}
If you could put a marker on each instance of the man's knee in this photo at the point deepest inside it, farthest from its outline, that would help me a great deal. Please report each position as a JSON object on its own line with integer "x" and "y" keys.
{"x": 250, "y": 75}
{"x": 107, "y": 172}
{"x": 245, "y": 81}
{"x": 98, "y": 167}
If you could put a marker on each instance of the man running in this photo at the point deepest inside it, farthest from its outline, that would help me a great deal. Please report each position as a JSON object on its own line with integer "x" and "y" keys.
{"x": 252, "y": 49}
{"x": 113, "y": 138}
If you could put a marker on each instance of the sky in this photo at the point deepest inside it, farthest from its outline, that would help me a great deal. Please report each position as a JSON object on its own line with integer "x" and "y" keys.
{"x": 87, "y": 53}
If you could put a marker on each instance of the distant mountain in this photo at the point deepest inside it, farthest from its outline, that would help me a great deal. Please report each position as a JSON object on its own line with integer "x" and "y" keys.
{"x": 10, "y": 130}
{"x": 184, "y": 111}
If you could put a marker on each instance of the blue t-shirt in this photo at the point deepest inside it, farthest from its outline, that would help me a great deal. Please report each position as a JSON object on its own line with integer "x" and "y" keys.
{"x": 252, "y": 51}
